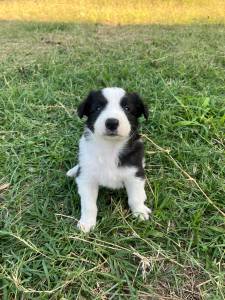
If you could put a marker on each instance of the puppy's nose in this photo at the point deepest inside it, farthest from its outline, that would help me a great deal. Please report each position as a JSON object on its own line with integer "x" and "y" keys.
{"x": 111, "y": 124}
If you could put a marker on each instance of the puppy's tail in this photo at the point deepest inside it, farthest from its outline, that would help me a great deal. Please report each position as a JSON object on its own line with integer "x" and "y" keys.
{"x": 73, "y": 172}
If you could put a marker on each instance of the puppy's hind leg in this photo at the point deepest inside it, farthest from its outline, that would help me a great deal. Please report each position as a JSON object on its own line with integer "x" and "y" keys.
{"x": 73, "y": 172}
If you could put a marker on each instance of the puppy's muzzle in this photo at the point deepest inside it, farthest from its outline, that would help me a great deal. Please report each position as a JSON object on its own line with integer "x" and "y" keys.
{"x": 111, "y": 125}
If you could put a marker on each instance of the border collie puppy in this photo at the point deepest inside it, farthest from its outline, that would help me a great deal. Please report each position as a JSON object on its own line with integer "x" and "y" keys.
{"x": 111, "y": 153}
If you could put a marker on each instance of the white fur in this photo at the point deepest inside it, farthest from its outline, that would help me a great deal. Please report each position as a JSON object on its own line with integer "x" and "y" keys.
{"x": 98, "y": 162}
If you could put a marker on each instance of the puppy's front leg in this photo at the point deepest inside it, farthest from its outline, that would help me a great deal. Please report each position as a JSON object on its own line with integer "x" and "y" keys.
{"x": 88, "y": 191}
{"x": 136, "y": 197}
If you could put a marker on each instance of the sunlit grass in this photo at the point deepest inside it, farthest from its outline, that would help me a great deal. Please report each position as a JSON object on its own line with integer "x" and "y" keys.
{"x": 115, "y": 12}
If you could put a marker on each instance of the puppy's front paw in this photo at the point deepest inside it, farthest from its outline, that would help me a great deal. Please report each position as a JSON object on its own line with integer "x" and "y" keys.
{"x": 86, "y": 226}
{"x": 142, "y": 212}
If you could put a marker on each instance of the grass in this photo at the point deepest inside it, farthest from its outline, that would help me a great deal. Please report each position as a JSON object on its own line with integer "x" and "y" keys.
{"x": 116, "y": 11}
{"x": 45, "y": 71}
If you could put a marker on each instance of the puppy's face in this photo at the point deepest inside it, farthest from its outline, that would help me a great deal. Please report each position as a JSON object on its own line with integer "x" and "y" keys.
{"x": 112, "y": 113}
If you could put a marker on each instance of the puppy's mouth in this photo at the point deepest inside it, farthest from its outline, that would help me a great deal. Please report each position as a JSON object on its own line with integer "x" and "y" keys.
{"x": 111, "y": 133}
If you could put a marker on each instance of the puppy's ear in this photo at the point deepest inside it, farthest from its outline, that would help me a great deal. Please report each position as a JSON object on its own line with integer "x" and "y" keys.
{"x": 84, "y": 108}
{"x": 140, "y": 106}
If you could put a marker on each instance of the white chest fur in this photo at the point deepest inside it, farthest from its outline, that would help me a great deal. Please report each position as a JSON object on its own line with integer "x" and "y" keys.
{"x": 98, "y": 159}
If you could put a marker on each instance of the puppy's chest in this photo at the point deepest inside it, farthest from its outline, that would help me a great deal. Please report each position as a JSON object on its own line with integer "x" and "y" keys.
{"x": 105, "y": 168}
{"x": 102, "y": 163}
{"x": 108, "y": 173}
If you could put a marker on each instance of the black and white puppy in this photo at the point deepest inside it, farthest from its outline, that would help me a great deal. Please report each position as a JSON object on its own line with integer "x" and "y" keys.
{"x": 111, "y": 153}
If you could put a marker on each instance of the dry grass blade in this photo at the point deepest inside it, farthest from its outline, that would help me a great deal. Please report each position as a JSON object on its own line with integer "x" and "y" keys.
{"x": 4, "y": 186}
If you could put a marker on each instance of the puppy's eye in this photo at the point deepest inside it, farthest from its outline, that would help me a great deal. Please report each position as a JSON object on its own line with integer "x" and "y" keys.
{"x": 126, "y": 108}
{"x": 98, "y": 108}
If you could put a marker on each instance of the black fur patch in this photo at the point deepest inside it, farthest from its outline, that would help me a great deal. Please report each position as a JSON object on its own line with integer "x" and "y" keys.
{"x": 78, "y": 171}
{"x": 91, "y": 107}
{"x": 133, "y": 155}
{"x": 133, "y": 106}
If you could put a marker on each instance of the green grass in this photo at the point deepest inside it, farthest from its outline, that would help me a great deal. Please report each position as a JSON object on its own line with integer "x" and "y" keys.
{"x": 45, "y": 71}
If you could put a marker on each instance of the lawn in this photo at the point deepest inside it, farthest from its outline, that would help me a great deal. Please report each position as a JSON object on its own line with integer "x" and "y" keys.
{"x": 46, "y": 69}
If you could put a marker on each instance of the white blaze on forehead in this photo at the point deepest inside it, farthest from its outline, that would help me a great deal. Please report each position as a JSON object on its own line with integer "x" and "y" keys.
{"x": 113, "y": 94}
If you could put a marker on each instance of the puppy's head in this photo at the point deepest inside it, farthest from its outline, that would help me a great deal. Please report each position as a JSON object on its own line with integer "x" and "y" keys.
{"x": 112, "y": 113}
